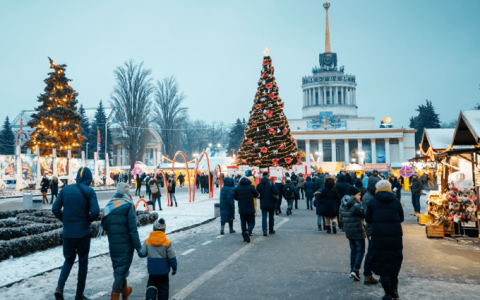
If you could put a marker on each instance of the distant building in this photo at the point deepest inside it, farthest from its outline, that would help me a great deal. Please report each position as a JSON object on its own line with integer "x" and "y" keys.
{"x": 331, "y": 130}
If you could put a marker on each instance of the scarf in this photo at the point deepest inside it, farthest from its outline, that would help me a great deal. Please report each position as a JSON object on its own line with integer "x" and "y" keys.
{"x": 117, "y": 201}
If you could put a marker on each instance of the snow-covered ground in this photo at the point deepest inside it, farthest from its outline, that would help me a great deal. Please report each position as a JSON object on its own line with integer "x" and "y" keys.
{"x": 186, "y": 214}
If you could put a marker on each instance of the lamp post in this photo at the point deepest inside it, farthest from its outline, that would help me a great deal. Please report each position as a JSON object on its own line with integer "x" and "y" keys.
{"x": 87, "y": 149}
{"x": 106, "y": 140}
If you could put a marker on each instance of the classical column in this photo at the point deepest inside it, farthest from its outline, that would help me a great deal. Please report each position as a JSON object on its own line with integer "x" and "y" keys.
{"x": 374, "y": 151}
{"x": 360, "y": 151}
{"x": 304, "y": 102}
{"x": 320, "y": 150}
{"x": 334, "y": 150}
{"x": 119, "y": 156}
{"x": 335, "y": 95}
{"x": 324, "y": 95}
{"x": 347, "y": 151}
{"x": 401, "y": 150}
{"x": 387, "y": 151}
{"x": 307, "y": 150}
{"x": 341, "y": 95}
{"x": 355, "y": 96}
{"x": 311, "y": 97}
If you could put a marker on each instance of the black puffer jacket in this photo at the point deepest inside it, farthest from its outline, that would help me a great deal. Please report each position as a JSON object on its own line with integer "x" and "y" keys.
{"x": 351, "y": 218}
{"x": 227, "y": 202}
{"x": 244, "y": 194}
{"x": 320, "y": 180}
{"x": 342, "y": 185}
{"x": 385, "y": 214}
{"x": 309, "y": 187}
{"x": 267, "y": 189}
{"x": 328, "y": 199}
{"x": 372, "y": 181}
{"x": 417, "y": 187}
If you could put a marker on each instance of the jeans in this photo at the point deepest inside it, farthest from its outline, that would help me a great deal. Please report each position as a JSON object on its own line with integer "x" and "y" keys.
{"x": 172, "y": 198}
{"x": 367, "y": 266}
{"x": 301, "y": 192}
{"x": 138, "y": 190}
{"x": 149, "y": 196}
{"x": 72, "y": 247}
{"x": 158, "y": 284}
{"x": 416, "y": 203}
{"x": 290, "y": 204}
{"x": 270, "y": 214}
{"x": 159, "y": 200}
{"x": 247, "y": 218}
{"x": 320, "y": 219}
{"x": 309, "y": 202}
{"x": 357, "y": 250}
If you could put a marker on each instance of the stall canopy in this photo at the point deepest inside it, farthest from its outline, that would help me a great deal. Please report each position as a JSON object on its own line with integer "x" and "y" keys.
{"x": 437, "y": 138}
{"x": 467, "y": 131}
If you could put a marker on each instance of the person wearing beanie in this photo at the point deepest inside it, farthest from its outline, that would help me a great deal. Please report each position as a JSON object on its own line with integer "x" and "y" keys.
{"x": 352, "y": 219}
{"x": 245, "y": 194}
{"x": 120, "y": 223}
{"x": 160, "y": 259}
{"x": 359, "y": 185}
{"x": 279, "y": 186}
{"x": 268, "y": 200}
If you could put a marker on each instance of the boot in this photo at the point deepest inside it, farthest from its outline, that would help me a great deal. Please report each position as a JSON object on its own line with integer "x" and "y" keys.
{"x": 265, "y": 233}
{"x": 271, "y": 231}
{"x": 279, "y": 210}
{"x": 246, "y": 237}
{"x": 175, "y": 204}
{"x": 115, "y": 296}
{"x": 319, "y": 227}
{"x": 388, "y": 293}
{"x": 395, "y": 295}
{"x": 328, "y": 229}
{"x": 59, "y": 294}
{"x": 152, "y": 293}
{"x": 334, "y": 227}
{"x": 370, "y": 280}
{"x": 126, "y": 292}
{"x": 276, "y": 212}
{"x": 231, "y": 228}
{"x": 222, "y": 229}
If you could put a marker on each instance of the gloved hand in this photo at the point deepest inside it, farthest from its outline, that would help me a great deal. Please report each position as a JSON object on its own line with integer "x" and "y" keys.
{"x": 174, "y": 271}
{"x": 140, "y": 254}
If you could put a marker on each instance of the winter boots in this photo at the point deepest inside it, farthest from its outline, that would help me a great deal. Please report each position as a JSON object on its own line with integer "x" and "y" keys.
{"x": 246, "y": 237}
{"x": 222, "y": 229}
{"x": 395, "y": 295}
{"x": 151, "y": 293}
{"x": 59, "y": 294}
{"x": 126, "y": 292}
{"x": 271, "y": 231}
{"x": 231, "y": 228}
{"x": 328, "y": 229}
{"x": 319, "y": 227}
{"x": 355, "y": 274}
{"x": 265, "y": 233}
{"x": 115, "y": 296}
{"x": 388, "y": 291}
{"x": 370, "y": 280}
{"x": 334, "y": 227}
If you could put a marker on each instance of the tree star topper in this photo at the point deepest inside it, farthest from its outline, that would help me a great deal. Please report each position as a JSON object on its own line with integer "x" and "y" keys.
{"x": 266, "y": 52}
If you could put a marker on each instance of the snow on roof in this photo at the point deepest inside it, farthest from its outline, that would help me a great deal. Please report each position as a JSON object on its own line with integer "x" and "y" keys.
{"x": 440, "y": 139}
{"x": 472, "y": 118}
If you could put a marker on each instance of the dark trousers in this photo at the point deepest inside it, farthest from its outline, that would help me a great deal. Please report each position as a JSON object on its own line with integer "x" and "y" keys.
{"x": 138, "y": 190}
{"x": 72, "y": 247}
{"x": 268, "y": 213}
{"x": 158, "y": 285}
{"x": 391, "y": 281}
{"x": 55, "y": 197}
{"x": 301, "y": 192}
{"x": 416, "y": 203}
{"x": 357, "y": 251}
{"x": 367, "y": 266}
{"x": 309, "y": 202}
{"x": 247, "y": 219}
{"x": 230, "y": 223}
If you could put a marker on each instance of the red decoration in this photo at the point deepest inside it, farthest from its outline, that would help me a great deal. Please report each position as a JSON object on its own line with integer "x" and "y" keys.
{"x": 264, "y": 150}
{"x": 277, "y": 88}
{"x": 284, "y": 131}
{"x": 288, "y": 160}
{"x": 293, "y": 139}
{"x": 273, "y": 69}
{"x": 283, "y": 105}
{"x": 244, "y": 161}
{"x": 299, "y": 158}
{"x": 258, "y": 106}
{"x": 264, "y": 75}
{"x": 249, "y": 142}
{"x": 258, "y": 162}
{"x": 258, "y": 92}
{"x": 254, "y": 123}
{"x": 275, "y": 161}
{"x": 271, "y": 131}
{"x": 265, "y": 62}
{"x": 282, "y": 146}
{"x": 268, "y": 85}
{"x": 272, "y": 95}
{"x": 269, "y": 113}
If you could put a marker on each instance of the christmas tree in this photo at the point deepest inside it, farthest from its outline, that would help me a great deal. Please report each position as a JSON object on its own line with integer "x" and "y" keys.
{"x": 267, "y": 140}
{"x": 56, "y": 122}
{"x": 7, "y": 138}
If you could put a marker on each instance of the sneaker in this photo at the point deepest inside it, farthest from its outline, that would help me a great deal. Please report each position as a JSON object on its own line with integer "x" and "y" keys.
{"x": 355, "y": 275}
{"x": 59, "y": 294}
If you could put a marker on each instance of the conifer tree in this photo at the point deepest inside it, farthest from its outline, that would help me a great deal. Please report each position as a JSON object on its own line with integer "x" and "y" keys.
{"x": 85, "y": 124}
{"x": 56, "y": 122}
{"x": 267, "y": 138}
{"x": 98, "y": 125}
{"x": 426, "y": 118}
{"x": 235, "y": 136}
{"x": 7, "y": 138}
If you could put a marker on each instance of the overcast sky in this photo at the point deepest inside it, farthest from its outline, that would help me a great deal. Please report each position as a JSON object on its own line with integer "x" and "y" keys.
{"x": 402, "y": 52}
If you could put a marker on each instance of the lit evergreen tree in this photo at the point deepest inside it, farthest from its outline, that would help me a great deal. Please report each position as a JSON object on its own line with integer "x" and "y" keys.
{"x": 56, "y": 122}
{"x": 7, "y": 138}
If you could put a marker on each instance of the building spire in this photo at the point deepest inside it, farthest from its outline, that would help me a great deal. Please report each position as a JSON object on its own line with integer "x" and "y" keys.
{"x": 326, "y": 5}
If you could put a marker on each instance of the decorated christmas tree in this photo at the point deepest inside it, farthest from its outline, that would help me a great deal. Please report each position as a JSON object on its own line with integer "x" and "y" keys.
{"x": 267, "y": 140}
{"x": 56, "y": 122}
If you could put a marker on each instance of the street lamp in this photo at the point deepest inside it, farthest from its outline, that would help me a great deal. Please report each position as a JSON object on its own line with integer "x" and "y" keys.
{"x": 361, "y": 157}
{"x": 87, "y": 149}
{"x": 218, "y": 145}
{"x": 354, "y": 160}
{"x": 210, "y": 145}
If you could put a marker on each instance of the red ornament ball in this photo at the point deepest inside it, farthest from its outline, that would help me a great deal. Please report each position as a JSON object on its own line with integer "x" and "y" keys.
{"x": 264, "y": 150}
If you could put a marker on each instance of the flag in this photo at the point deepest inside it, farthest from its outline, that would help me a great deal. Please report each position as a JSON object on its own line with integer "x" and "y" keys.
{"x": 99, "y": 142}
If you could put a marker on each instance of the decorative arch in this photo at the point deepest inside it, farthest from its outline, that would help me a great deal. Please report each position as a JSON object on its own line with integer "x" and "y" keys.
{"x": 220, "y": 178}
{"x": 196, "y": 173}
{"x": 165, "y": 183}
{"x": 188, "y": 173}
{"x": 142, "y": 200}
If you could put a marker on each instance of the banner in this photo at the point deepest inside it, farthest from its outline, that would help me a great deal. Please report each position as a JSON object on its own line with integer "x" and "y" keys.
{"x": 8, "y": 165}
{"x": 62, "y": 167}
{"x": 102, "y": 168}
{"x": 276, "y": 172}
{"x": 46, "y": 166}
{"x": 29, "y": 168}
{"x": 90, "y": 163}
{"x": 76, "y": 165}
{"x": 255, "y": 170}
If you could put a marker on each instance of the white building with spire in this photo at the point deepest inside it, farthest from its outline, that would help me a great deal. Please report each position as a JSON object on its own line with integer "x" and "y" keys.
{"x": 331, "y": 131}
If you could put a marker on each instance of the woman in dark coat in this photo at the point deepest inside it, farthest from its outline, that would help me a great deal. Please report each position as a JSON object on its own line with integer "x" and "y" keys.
{"x": 227, "y": 205}
{"x": 385, "y": 214}
{"x": 309, "y": 188}
{"x": 54, "y": 188}
{"x": 139, "y": 181}
{"x": 119, "y": 220}
{"x": 44, "y": 188}
{"x": 330, "y": 198}
{"x": 279, "y": 186}
{"x": 359, "y": 185}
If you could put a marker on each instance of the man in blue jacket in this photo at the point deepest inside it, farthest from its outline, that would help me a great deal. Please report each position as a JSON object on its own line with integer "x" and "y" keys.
{"x": 80, "y": 208}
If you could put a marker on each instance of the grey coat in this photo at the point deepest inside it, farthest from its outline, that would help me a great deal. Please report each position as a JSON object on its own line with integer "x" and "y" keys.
{"x": 351, "y": 218}
{"x": 372, "y": 181}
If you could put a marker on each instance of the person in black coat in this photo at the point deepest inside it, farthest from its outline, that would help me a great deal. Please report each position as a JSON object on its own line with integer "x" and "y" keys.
{"x": 119, "y": 221}
{"x": 181, "y": 179}
{"x": 139, "y": 181}
{"x": 44, "y": 188}
{"x": 396, "y": 186}
{"x": 342, "y": 187}
{"x": 320, "y": 180}
{"x": 279, "y": 186}
{"x": 54, "y": 188}
{"x": 359, "y": 185}
{"x": 309, "y": 187}
{"x": 385, "y": 214}
{"x": 329, "y": 198}
{"x": 268, "y": 200}
{"x": 245, "y": 193}
{"x": 227, "y": 205}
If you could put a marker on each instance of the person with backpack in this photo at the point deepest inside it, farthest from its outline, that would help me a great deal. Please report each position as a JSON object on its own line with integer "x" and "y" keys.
{"x": 268, "y": 200}
{"x": 293, "y": 177}
{"x": 120, "y": 223}
{"x": 156, "y": 194}
{"x": 279, "y": 186}
{"x": 309, "y": 187}
{"x": 227, "y": 205}
{"x": 289, "y": 194}
{"x": 80, "y": 209}
{"x": 171, "y": 190}
{"x": 245, "y": 193}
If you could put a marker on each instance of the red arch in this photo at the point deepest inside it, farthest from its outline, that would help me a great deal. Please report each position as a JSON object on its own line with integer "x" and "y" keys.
{"x": 142, "y": 200}
{"x": 196, "y": 172}
{"x": 165, "y": 183}
{"x": 219, "y": 177}
{"x": 188, "y": 173}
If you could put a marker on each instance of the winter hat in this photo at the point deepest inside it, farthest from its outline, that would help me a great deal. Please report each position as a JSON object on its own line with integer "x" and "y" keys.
{"x": 123, "y": 188}
{"x": 288, "y": 181}
{"x": 265, "y": 174}
{"x": 159, "y": 225}
{"x": 353, "y": 190}
{"x": 248, "y": 173}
